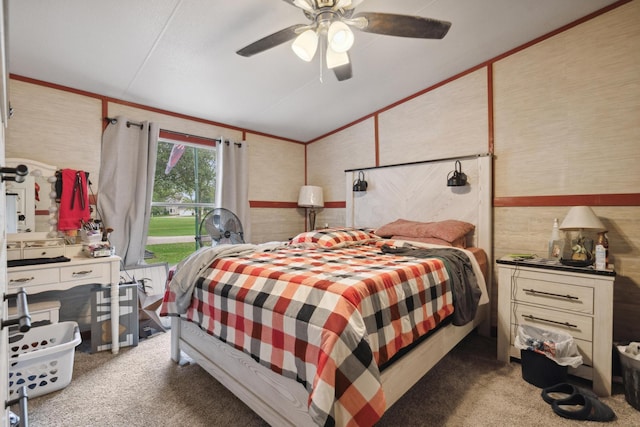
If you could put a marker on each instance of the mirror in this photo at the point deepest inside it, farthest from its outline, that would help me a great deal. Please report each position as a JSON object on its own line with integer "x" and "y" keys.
{"x": 34, "y": 199}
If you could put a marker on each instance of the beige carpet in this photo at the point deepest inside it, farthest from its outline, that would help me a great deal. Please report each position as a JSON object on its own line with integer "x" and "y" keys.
{"x": 142, "y": 387}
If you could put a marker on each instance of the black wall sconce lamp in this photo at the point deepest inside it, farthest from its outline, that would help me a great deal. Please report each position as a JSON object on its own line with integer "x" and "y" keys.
{"x": 360, "y": 185}
{"x": 457, "y": 178}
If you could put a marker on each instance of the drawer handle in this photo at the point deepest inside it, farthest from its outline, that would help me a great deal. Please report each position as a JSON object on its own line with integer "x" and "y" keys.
{"x": 81, "y": 273}
{"x": 533, "y": 291}
{"x": 21, "y": 280}
{"x": 540, "y": 319}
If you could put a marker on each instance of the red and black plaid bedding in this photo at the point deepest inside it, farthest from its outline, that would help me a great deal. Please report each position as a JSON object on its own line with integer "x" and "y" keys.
{"x": 326, "y": 318}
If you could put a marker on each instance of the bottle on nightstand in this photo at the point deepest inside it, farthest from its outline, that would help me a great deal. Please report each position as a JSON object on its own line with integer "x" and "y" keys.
{"x": 602, "y": 251}
{"x": 555, "y": 243}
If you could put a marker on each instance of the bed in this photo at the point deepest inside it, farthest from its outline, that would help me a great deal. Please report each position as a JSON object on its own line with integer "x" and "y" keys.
{"x": 300, "y": 330}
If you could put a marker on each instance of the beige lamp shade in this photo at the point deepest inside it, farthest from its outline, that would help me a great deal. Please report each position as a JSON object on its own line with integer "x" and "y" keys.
{"x": 310, "y": 197}
{"x": 581, "y": 218}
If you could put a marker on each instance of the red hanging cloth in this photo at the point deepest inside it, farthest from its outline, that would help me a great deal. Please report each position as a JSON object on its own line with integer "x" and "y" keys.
{"x": 74, "y": 201}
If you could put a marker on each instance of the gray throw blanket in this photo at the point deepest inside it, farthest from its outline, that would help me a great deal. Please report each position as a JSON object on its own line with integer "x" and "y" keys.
{"x": 190, "y": 268}
{"x": 465, "y": 289}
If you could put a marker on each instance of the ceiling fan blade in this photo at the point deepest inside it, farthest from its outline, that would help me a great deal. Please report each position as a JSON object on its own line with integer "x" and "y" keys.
{"x": 403, "y": 25}
{"x": 272, "y": 40}
{"x": 343, "y": 72}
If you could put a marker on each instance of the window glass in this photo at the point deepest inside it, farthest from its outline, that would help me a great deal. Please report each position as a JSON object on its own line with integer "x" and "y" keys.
{"x": 183, "y": 191}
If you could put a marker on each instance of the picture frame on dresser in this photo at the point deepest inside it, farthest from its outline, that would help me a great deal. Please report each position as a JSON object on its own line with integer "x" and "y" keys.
{"x": 550, "y": 295}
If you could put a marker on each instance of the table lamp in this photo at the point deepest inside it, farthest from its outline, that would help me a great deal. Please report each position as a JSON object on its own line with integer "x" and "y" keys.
{"x": 581, "y": 218}
{"x": 311, "y": 197}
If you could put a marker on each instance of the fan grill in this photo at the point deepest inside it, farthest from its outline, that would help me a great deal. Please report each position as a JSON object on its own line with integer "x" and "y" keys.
{"x": 220, "y": 226}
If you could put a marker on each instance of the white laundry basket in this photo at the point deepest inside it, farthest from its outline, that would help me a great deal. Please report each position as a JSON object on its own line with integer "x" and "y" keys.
{"x": 42, "y": 358}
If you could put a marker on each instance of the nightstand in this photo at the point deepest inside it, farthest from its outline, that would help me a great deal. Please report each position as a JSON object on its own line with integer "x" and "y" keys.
{"x": 574, "y": 300}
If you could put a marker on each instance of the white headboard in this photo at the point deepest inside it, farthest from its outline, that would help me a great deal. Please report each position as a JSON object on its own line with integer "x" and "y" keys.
{"x": 419, "y": 192}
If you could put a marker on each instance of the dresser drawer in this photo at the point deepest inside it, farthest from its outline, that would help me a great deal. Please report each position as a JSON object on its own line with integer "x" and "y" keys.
{"x": 552, "y": 294}
{"x": 43, "y": 252}
{"x": 578, "y": 326}
{"x": 33, "y": 277}
{"x": 13, "y": 254}
{"x": 99, "y": 272}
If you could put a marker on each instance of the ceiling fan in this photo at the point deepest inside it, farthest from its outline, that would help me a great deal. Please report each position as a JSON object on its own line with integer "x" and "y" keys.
{"x": 330, "y": 27}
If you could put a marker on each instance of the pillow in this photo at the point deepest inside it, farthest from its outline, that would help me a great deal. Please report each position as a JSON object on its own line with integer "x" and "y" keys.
{"x": 333, "y": 237}
{"x": 449, "y": 230}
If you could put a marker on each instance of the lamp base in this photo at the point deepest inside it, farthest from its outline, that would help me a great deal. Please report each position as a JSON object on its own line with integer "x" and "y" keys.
{"x": 576, "y": 262}
{"x": 312, "y": 219}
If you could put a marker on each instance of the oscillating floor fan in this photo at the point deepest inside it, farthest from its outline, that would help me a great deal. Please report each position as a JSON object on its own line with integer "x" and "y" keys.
{"x": 220, "y": 226}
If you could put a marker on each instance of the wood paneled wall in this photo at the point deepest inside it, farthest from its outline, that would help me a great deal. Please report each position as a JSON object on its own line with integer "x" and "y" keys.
{"x": 448, "y": 121}
{"x": 327, "y": 160}
{"x": 277, "y": 173}
{"x": 573, "y": 97}
{"x": 562, "y": 117}
{"x": 55, "y": 127}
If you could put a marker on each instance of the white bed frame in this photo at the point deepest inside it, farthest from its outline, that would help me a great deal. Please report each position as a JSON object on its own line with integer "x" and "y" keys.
{"x": 393, "y": 192}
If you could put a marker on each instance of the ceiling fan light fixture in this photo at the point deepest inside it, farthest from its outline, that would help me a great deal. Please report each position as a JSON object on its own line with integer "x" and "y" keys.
{"x": 305, "y": 45}
{"x": 340, "y": 37}
{"x": 341, "y": 4}
{"x": 336, "y": 59}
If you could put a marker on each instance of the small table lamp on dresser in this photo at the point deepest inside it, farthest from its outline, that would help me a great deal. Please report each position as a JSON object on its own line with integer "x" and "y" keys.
{"x": 311, "y": 197}
{"x": 580, "y": 219}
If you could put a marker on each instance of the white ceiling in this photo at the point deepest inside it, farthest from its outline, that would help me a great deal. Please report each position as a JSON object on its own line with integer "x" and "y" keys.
{"x": 179, "y": 55}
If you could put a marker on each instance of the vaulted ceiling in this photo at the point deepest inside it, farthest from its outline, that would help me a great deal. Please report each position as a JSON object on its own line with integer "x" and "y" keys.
{"x": 180, "y": 55}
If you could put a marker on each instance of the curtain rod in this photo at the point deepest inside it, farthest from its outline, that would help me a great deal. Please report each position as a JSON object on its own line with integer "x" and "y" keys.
{"x": 472, "y": 156}
{"x": 129, "y": 123}
{"x": 113, "y": 121}
{"x": 218, "y": 140}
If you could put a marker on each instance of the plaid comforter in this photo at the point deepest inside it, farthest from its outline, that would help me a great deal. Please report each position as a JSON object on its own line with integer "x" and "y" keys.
{"x": 326, "y": 318}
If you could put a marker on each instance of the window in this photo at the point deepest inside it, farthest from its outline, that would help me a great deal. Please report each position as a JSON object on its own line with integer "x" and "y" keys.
{"x": 183, "y": 190}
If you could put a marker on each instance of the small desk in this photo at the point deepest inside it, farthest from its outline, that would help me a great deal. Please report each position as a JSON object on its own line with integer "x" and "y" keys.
{"x": 61, "y": 276}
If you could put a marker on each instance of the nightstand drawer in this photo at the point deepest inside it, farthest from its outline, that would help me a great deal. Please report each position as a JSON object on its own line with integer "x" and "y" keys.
{"x": 97, "y": 271}
{"x": 578, "y": 326}
{"x": 552, "y": 294}
{"x": 33, "y": 277}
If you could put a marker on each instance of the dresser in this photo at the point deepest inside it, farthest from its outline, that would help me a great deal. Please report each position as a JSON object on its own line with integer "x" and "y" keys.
{"x": 59, "y": 276}
{"x": 574, "y": 300}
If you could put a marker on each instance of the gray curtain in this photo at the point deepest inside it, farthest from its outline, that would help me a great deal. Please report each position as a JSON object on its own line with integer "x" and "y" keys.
{"x": 127, "y": 169}
{"x": 232, "y": 181}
